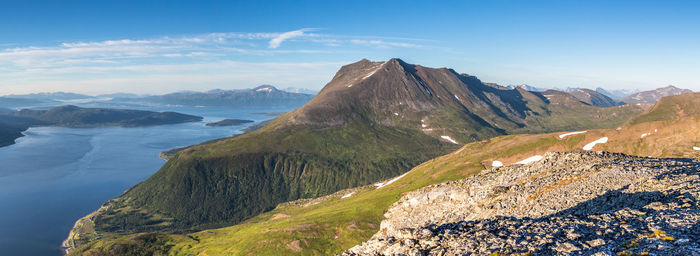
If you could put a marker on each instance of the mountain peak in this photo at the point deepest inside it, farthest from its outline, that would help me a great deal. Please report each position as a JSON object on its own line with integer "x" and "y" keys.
{"x": 265, "y": 88}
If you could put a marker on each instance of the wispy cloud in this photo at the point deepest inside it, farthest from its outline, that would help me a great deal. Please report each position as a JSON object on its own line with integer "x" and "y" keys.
{"x": 275, "y": 42}
{"x": 159, "y": 78}
{"x": 103, "y": 64}
{"x": 383, "y": 44}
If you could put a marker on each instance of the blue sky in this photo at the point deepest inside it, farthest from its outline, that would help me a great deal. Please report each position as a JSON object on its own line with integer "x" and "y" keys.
{"x": 163, "y": 46}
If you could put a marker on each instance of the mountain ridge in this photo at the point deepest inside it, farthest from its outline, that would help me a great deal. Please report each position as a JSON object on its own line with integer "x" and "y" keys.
{"x": 334, "y": 223}
{"x": 350, "y": 213}
{"x": 592, "y": 97}
{"x": 372, "y": 121}
{"x": 652, "y": 96}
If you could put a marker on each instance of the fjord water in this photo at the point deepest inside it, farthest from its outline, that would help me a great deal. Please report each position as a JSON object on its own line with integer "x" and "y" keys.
{"x": 54, "y": 175}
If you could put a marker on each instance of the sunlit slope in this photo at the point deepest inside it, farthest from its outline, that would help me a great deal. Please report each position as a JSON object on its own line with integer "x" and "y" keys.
{"x": 373, "y": 121}
{"x": 672, "y": 107}
{"x": 332, "y": 223}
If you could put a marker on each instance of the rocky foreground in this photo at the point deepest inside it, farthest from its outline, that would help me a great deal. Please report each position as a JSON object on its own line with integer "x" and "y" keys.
{"x": 565, "y": 204}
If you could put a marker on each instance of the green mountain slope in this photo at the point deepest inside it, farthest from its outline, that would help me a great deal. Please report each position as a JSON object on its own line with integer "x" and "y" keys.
{"x": 336, "y": 222}
{"x": 672, "y": 107}
{"x": 373, "y": 121}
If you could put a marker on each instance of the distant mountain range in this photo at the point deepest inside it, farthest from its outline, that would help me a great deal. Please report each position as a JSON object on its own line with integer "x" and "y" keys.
{"x": 654, "y": 95}
{"x": 301, "y": 90}
{"x": 617, "y": 94}
{"x": 261, "y": 96}
{"x": 527, "y": 88}
{"x": 12, "y": 123}
{"x": 591, "y": 97}
{"x": 9, "y": 102}
{"x": 50, "y": 96}
{"x": 266, "y": 96}
{"x": 372, "y": 121}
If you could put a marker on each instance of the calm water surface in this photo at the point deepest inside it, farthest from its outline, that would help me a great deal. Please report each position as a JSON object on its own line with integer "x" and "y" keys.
{"x": 54, "y": 175}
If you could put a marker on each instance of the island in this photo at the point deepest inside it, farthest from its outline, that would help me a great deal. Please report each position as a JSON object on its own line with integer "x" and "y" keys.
{"x": 230, "y": 122}
{"x": 13, "y": 123}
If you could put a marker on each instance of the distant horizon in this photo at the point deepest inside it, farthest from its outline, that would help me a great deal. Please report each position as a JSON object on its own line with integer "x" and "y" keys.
{"x": 160, "y": 47}
{"x": 318, "y": 90}
{"x": 147, "y": 94}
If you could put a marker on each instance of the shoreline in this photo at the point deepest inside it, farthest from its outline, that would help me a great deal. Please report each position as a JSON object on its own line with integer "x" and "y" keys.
{"x": 69, "y": 243}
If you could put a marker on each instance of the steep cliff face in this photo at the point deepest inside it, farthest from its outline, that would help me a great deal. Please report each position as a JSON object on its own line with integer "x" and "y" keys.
{"x": 565, "y": 203}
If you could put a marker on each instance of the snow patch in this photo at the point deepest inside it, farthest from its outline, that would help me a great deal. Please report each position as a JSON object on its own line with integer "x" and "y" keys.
{"x": 348, "y": 195}
{"x": 370, "y": 74}
{"x": 571, "y": 133}
{"x": 656, "y": 130}
{"x": 377, "y": 68}
{"x": 496, "y": 163}
{"x": 396, "y": 114}
{"x": 696, "y": 148}
{"x": 264, "y": 90}
{"x": 382, "y": 184}
{"x": 531, "y": 159}
{"x": 448, "y": 139}
{"x": 618, "y": 129}
{"x": 456, "y": 97}
{"x": 590, "y": 146}
{"x": 645, "y": 134}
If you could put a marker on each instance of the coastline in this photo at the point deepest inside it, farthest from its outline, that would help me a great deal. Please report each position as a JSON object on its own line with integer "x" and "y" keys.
{"x": 79, "y": 229}
{"x": 83, "y": 229}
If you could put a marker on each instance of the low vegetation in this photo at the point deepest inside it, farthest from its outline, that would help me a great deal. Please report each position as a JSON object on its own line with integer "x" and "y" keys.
{"x": 333, "y": 224}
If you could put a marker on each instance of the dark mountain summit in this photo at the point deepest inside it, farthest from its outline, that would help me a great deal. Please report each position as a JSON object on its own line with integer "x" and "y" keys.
{"x": 373, "y": 121}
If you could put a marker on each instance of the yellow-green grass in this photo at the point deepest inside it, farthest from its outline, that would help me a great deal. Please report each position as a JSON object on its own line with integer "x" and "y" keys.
{"x": 336, "y": 223}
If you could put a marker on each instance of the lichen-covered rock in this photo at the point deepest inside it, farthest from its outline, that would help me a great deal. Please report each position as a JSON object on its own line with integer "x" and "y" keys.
{"x": 592, "y": 203}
